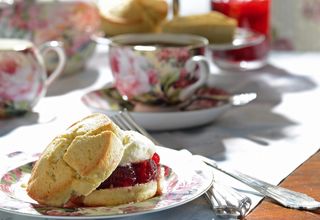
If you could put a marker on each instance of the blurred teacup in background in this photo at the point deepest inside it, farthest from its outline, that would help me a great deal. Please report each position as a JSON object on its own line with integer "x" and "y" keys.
{"x": 23, "y": 75}
{"x": 71, "y": 21}
{"x": 158, "y": 69}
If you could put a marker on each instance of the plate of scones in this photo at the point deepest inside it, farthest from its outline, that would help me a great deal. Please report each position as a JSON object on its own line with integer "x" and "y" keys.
{"x": 96, "y": 170}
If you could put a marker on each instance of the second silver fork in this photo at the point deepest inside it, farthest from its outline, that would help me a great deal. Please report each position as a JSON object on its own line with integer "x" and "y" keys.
{"x": 224, "y": 200}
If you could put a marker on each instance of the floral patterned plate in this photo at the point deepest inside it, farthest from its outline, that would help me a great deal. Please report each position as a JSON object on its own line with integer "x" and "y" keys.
{"x": 107, "y": 100}
{"x": 186, "y": 181}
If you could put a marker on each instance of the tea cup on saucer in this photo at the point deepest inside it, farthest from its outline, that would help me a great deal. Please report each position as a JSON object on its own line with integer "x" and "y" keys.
{"x": 158, "y": 69}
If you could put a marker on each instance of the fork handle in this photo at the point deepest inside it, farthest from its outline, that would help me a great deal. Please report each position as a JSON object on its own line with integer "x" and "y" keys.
{"x": 227, "y": 202}
{"x": 282, "y": 195}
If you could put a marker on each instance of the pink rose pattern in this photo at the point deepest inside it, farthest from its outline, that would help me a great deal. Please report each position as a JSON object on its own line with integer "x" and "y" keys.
{"x": 180, "y": 54}
{"x": 21, "y": 82}
{"x": 151, "y": 77}
{"x": 176, "y": 191}
{"x": 71, "y": 22}
{"x": 130, "y": 72}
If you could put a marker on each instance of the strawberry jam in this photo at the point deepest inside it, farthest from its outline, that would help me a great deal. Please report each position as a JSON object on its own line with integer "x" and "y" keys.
{"x": 132, "y": 174}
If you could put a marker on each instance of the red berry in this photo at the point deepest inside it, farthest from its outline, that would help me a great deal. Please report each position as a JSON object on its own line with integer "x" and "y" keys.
{"x": 146, "y": 171}
{"x": 156, "y": 158}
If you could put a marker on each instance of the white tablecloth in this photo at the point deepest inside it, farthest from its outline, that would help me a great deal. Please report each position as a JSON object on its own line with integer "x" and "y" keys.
{"x": 268, "y": 138}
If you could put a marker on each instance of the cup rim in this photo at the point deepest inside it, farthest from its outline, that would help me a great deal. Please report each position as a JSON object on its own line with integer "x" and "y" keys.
{"x": 123, "y": 40}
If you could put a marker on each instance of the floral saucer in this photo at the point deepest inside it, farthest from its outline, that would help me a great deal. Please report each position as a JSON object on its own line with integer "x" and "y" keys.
{"x": 184, "y": 182}
{"x": 107, "y": 100}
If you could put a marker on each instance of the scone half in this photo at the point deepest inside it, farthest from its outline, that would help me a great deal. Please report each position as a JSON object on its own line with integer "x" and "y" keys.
{"x": 77, "y": 161}
{"x": 95, "y": 163}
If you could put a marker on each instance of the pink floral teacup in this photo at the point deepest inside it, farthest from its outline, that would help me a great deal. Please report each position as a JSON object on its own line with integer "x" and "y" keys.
{"x": 23, "y": 76}
{"x": 158, "y": 69}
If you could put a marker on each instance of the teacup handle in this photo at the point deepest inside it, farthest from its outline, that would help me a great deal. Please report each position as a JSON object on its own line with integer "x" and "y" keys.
{"x": 204, "y": 71}
{"x": 58, "y": 48}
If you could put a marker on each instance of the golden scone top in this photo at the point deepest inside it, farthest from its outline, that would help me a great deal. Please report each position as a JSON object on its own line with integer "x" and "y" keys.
{"x": 77, "y": 161}
{"x": 146, "y": 16}
{"x": 132, "y": 16}
{"x": 211, "y": 18}
{"x": 215, "y": 26}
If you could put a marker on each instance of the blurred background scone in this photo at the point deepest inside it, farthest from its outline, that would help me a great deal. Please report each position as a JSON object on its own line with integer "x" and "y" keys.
{"x": 131, "y": 16}
{"x": 214, "y": 26}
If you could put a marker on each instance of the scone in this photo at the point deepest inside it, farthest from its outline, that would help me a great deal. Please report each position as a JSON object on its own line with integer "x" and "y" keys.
{"x": 132, "y": 16}
{"x": 137, "y": 177}
{"x": 87, "y": 165}
{"x": 214, "y": 26}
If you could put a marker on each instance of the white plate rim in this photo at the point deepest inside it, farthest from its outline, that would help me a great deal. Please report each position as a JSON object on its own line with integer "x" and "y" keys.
{"x": 161, "y": 150}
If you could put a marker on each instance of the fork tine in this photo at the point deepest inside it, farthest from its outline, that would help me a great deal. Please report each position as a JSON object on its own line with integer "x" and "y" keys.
{"x": 125, "y": 114}
{"x": 119, "y": 121}
{"x": 125, "y": 123}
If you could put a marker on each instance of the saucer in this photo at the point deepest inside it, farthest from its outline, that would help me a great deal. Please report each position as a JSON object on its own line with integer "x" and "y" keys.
{"x": 105, "y": 101}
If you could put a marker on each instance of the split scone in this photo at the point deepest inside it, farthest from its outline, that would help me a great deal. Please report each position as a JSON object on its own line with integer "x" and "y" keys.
{"x": 215, "y": 26}
{"x": 132, "y": 16}
{"x": 95, "y": 163}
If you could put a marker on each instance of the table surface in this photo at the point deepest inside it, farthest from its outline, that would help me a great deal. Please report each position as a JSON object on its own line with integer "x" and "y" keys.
{"x": 304, "y": 179}
{"x": 268, "y": 139}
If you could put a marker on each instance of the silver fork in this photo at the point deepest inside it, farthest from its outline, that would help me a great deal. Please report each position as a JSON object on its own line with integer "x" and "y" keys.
{"x": 224, "y": 200}
{"x": 283, "y": 196}
{"x": 227, "y": 202}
